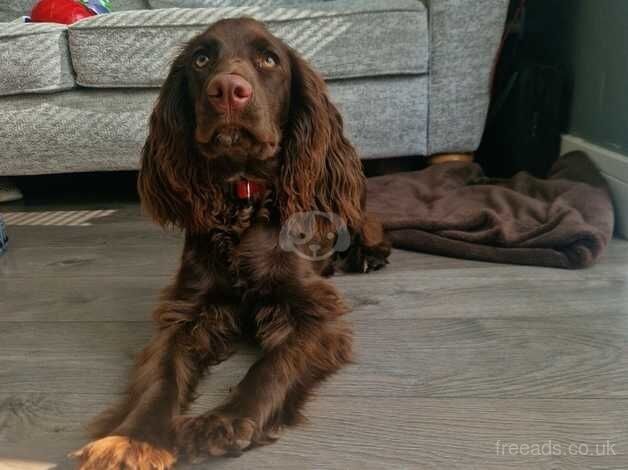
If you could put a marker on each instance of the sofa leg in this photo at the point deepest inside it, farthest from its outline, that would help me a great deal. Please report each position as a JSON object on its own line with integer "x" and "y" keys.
{"x": 450, "y": 157}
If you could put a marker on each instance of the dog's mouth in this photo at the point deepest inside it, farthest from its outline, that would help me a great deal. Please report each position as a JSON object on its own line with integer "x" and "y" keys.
{"x": 227, "y": 137}
{"x": 238, "y": 141}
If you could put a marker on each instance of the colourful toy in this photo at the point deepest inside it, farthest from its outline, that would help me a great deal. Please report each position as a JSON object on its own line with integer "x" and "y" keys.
{"x": 60, "y": 11}
{"x": 99, "y": 7}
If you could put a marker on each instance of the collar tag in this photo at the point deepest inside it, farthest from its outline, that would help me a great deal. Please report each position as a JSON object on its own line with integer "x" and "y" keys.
{"x": 248, "y": 190}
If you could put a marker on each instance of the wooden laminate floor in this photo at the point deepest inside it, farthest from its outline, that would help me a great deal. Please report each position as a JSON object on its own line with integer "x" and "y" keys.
{"x": 459, "y": 364}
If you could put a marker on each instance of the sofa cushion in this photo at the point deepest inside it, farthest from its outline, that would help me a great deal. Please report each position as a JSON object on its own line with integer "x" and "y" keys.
{"x": 122, "y": 5}
{"x": 343, "y": 39}
{"x": 100, "y": 130}
{"x": 34, "y": 58}
{"x": 225, "y": 3}
{"x": 78, "y": 130}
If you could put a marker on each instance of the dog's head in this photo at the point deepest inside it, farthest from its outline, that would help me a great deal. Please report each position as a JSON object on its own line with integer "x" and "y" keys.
{"x": 238, "y": 77}
{"x": 237, "y": 104}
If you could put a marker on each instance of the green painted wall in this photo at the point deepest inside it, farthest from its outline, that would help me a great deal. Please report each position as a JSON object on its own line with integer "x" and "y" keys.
{"x": 596, "y": 53}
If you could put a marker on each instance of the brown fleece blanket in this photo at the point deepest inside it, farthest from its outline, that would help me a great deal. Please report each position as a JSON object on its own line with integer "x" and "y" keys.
{"x": 451, "y": 209}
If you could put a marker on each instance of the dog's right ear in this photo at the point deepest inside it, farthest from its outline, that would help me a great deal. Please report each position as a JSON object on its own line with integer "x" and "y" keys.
{"x": 162, "y": 184}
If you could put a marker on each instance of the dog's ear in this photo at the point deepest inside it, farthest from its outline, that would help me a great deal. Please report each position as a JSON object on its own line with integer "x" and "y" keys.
{"x": 320, "y": 169}
{"x": 160, "y": 186}
{"x": 174, "y": 181}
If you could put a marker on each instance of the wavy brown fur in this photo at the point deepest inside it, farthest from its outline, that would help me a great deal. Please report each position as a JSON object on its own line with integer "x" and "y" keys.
{"x": 235, "y": 279}
{"x": 176, "y": 183}
{"x": 321, "y": 169}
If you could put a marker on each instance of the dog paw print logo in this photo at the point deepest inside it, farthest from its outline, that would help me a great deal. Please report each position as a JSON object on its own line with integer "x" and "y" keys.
{"x": 298, "y": 235}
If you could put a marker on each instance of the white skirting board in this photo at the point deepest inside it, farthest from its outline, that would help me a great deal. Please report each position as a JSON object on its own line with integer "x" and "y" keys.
{"x": 614, "y": 167}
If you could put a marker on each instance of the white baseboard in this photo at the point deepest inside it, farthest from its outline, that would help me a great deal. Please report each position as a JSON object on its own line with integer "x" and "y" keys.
{"x": 609, "y": 162}
{"x": 614, "y": 168}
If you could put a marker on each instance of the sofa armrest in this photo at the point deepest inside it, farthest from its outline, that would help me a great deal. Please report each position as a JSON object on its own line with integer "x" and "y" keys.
{"x": 465, "y": 36}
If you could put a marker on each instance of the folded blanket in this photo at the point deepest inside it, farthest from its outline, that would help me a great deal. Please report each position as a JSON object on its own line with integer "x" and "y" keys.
{"x": 451, "y": 209}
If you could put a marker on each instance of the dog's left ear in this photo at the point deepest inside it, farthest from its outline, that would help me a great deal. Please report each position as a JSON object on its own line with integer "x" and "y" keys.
{"x": 320, "y": 168}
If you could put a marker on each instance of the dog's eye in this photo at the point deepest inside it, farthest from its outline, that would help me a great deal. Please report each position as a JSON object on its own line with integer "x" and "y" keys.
{"x": 201, "y": 61}
{"x": 268, "y": 60}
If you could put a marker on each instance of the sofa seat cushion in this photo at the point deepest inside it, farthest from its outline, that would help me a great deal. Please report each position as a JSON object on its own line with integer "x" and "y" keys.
{"x": 73, "y": 131}
{"x": 227, "y": 3}
{"x": 35, "y": 58}
{"x": 100, "y": 130}
{"x": 343, "y": 39}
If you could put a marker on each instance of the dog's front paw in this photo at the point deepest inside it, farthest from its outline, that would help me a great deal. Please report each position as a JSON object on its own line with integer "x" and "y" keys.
{"x": 214, "y": 435}
{"x": 122, "y": 453}
{"x": 374, "y": 262}
{"x": 363, "y": 259}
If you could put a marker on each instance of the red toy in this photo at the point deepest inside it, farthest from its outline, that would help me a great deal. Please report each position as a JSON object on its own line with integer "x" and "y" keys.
{"x": 59, "y": 11}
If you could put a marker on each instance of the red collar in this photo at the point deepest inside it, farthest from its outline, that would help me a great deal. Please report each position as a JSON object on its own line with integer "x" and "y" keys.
{"x": 248, "y": 190}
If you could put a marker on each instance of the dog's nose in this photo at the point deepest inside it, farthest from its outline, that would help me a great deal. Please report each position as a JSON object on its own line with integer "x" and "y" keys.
{"x": 228, "y": 91}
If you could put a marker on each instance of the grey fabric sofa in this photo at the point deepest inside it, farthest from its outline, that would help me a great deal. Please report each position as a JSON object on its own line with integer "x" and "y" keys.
{"x": 411, "y": 77}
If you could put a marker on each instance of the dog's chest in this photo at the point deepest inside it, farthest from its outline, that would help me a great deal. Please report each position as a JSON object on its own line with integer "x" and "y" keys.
{"x": 224, "y": 240}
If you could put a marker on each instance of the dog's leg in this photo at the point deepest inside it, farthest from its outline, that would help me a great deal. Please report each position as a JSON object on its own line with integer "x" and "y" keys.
{"x": 303, "y": 343}
{"x": 369, "y": 249}
{"x": 304, "y": 340}
{"x": 136, "y": 434}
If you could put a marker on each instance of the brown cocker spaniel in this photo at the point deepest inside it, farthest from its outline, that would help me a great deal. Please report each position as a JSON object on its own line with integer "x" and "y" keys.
{"x": 246, "y": 154}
